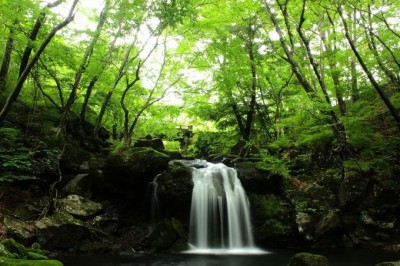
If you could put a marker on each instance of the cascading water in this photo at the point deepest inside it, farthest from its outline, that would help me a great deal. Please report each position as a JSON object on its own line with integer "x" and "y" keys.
{"x": 220, "y": 216}
{"x": 154, "y": 204}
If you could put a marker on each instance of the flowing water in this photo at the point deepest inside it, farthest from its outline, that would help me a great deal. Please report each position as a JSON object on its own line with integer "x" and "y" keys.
{"x": 220, "y": 216}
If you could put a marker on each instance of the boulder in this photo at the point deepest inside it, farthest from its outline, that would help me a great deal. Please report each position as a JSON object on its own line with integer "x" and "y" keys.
{"x": 308, "y": 259}
{"x": 60, "y": 231}
{"x": 79, "y": 206}
{"x": 156, "y": 144}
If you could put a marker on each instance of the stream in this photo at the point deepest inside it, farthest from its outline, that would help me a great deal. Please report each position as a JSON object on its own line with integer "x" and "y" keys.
{"x": 336, "y": 257}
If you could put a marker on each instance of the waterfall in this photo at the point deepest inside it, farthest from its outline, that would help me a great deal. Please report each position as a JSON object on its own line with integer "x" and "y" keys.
{"x": 154, "y": 204}
{"x": 220, "y": 216}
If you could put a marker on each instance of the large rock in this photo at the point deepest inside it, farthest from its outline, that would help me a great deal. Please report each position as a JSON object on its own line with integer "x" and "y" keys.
{"x": 272, "y": 221}
{"x": 61, "y": 231}
{"x": 22, "y": 231}
{"x": 135, "y": 166}
{"x": 175, "y": 191}
{"x": 166, "y": 235}
{"x": 156, "y": 144}
{"x": 79, "y": 206}
{"x": 308, "y": 259}
{"x": 126, "y": 174}
{"x": 256, "y": 180}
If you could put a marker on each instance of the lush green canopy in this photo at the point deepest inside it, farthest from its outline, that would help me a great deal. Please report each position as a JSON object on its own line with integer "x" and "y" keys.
{"x": 272, "y": 73}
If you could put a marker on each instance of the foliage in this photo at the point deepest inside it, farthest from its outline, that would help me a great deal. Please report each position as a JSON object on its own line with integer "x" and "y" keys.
{"x": 207, "y": 144}
{"x": 273, "y": 164}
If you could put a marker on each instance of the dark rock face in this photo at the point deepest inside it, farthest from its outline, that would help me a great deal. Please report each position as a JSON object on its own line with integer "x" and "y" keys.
{"x": 351, "y": 192}
{"x": 272, "y": 221}
{"x": 166, "y": 235}
{"x": 175, "y": 191}
{"x": 308, "y": 259}
{"x": 258, "y": 181}
{"x": 128, "y": 173}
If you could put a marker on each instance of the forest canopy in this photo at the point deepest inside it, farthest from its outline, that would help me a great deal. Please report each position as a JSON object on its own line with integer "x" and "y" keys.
{"x": 274, "y": 74}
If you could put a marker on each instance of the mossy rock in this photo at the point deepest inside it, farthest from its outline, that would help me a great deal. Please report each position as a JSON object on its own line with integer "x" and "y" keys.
{"x": 166, "y": 235}
{"x": 21, "y": 262}
{"x": 13, "y": 253}
{"x": 79, "y": 206}
{"x": 61, "y": 231}
{"x": 308, "y": 259}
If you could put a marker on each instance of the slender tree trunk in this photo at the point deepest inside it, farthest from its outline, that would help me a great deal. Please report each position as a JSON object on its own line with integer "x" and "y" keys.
{"x": 371, "y": 78}
{"x": 332, "y": 64}
{"x": 82, "y": 68}
{"x": 33, "y": 35}
{"x": 353, "y": 63}
{"x": 5, "y": 66}
{"x": 96, "y": 77}
{"x": 336, "y": 125}
{"x": 17, "y": 89}
{"x": 252, "y": 105}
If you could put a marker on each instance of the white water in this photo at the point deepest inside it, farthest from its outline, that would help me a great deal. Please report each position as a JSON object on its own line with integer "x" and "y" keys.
{"x": 220, "y": 216}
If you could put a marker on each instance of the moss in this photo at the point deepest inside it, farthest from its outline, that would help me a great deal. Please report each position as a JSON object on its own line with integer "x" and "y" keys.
{"x": 308, "y": 259}
{"x": 13, "y": 253}
{"x": 268, "y": 206}
{"x": 58, "y": 219}
{"x": 21, "y": 262}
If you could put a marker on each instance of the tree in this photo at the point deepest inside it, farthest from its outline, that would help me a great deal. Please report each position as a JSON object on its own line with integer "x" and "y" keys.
{"x": 21, "y": 80}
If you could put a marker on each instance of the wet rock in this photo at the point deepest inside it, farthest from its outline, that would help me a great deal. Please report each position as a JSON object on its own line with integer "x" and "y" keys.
{"x": 175, "y": 191}
{"x": 80, "y": 185}
{"x": 79, "y": 206}
{"x": 60, "y": 231}
{"x": 308, "y": 259}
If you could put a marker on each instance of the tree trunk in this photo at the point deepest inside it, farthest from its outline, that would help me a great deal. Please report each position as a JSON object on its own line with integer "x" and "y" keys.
{"x": 371, "y": 78}
{"x": 82, "y": 68}
{"x": 17, "y": 89}
{"x": 353, "y": 62}
{"x": 5, "y": 66}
